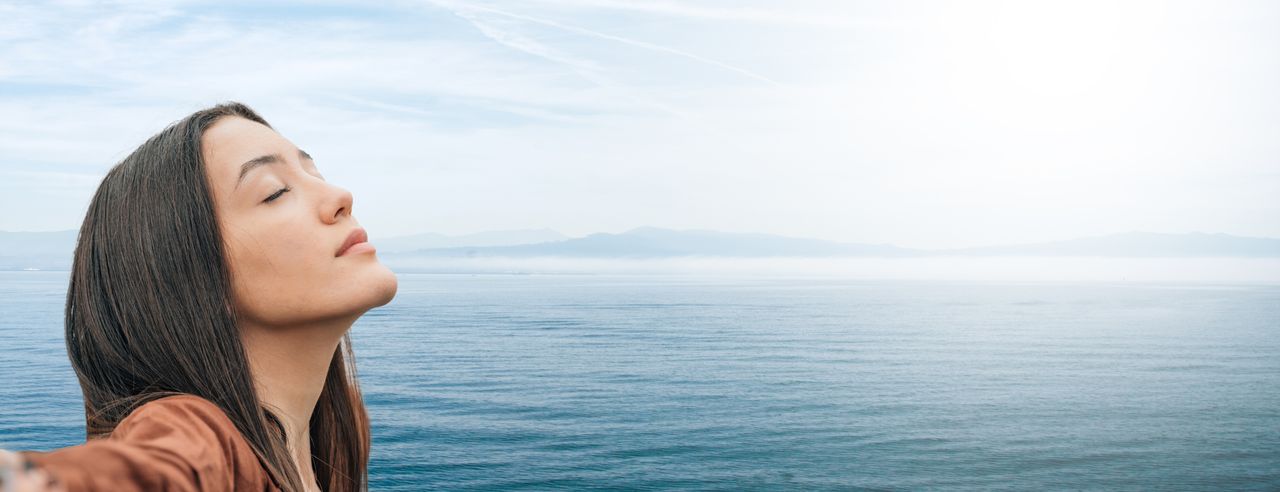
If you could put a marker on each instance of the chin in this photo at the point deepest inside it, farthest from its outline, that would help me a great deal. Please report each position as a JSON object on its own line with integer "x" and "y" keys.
{"x": 368, "y": 287}
{"x": 382, "y": 286}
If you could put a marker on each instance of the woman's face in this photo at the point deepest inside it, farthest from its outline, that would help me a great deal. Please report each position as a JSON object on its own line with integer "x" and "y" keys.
{"x": 283, "y": 252}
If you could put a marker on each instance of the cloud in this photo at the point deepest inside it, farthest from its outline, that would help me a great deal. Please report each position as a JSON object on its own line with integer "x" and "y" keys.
{"x": 921, "y": 124}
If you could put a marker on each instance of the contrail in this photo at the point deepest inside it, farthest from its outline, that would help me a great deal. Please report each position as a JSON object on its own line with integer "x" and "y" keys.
{"x": 630, "y": 42}
{"x": 583, "y": 68}
{"x": 747, "y": 14}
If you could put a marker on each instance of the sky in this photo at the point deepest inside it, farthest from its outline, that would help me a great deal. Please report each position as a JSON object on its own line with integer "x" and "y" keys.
{"x": 920, "y": 124}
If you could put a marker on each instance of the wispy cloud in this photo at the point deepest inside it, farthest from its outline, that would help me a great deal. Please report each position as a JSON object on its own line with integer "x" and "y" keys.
{"x": 747, "y": 13}
{"x": 469, "y": 9}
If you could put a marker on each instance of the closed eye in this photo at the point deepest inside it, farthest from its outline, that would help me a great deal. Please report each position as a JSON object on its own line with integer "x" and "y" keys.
{"x": 277, "y": 194}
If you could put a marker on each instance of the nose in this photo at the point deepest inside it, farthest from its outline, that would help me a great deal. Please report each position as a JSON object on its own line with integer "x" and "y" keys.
{"x": 337, "y": 205}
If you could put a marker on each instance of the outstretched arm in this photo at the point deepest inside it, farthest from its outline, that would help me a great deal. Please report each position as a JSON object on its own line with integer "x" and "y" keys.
{"x": 181, "y": 443}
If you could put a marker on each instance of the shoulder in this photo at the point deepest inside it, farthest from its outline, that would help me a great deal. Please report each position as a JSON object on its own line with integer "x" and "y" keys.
{"x": 196, "y": 432}
{"x": 182, "y": 408}
{"x": 188, "y": 416}
{"x": 187, "y": 425}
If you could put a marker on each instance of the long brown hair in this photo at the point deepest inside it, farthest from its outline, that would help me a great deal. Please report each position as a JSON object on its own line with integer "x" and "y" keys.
{"x": 150, "y": 314}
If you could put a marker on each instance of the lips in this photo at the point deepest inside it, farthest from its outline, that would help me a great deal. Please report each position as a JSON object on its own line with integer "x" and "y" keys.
{"x": 357, "y": 236}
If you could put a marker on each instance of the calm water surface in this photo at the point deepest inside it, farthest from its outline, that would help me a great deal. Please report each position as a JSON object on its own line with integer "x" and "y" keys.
{"x": 480, "y": 382}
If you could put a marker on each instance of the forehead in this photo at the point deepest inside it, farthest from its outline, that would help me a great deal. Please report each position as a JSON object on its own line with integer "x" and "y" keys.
{"x": 231, "y": 141}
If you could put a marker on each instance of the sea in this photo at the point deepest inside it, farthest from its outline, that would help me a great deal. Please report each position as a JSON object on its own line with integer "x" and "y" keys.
{"x": 706, "y": 382}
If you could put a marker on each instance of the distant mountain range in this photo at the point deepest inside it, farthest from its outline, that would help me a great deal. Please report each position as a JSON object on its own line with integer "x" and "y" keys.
{"x": 652, "y": 242}
{"x": 52, "y": 250}
{"x": 43, "y": 250}
{"x": 429, "y": 240}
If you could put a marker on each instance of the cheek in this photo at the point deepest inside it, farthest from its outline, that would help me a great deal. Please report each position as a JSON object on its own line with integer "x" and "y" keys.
{"x": 276, "y": 268}
{"x": 270, "y": 251}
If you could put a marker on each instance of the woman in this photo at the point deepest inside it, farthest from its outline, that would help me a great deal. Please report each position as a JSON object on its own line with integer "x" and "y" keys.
{"x": 214, "y": 281}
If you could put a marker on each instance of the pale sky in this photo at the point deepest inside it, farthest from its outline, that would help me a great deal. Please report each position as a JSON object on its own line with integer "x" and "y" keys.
{"x": 921, "y": 124}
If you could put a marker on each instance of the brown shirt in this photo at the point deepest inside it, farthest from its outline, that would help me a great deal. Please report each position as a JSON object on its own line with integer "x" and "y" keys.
{"x": 180, "y": 443}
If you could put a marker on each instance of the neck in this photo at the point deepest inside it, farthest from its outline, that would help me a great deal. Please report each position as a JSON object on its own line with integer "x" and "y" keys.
{"x": 289, "y": 366}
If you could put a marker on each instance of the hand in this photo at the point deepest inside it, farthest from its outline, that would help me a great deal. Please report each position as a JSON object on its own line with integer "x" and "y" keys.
{"x": 20, "y": 475}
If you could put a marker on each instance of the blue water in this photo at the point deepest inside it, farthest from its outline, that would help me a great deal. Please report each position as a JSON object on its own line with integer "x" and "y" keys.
{"x": 656, "y": 382}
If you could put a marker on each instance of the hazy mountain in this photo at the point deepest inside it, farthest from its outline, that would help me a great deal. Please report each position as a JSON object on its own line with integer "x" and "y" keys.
{"x": 652, "y": 242}
{"x": 43, "y": 250}
{"x": 52, "y": 250}
{"x": 1137, "y": 244}
{"x": 488, "y": 238}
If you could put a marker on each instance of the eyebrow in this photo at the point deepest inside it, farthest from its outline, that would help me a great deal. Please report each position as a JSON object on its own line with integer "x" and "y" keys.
{"x": 263, "y": 160}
